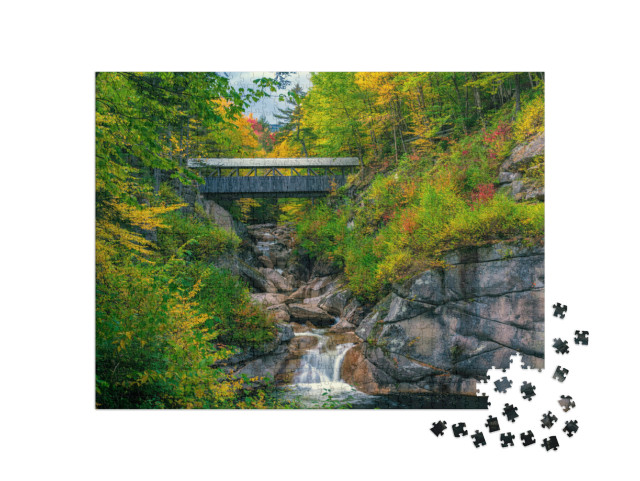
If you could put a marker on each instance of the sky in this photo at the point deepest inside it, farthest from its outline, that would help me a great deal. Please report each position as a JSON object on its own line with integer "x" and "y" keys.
{"x": 269, "y": 105}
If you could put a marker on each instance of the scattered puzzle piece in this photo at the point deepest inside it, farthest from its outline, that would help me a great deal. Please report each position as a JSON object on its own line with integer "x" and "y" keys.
{"x": 459, "y": 430}
{"x": 439, "y": 428}
{"x": 571, "y": 427}
{"x": 551, "y": 443}
{"x": 548, "y": 420}
{"x": 510, "y": 411}
{"x": 567, "y": 403}
{"x": 561, "y": 347}
{"x": 527, "y": 390}
{"x": 478, "y": 439}
{"x": 559, "y": 310}
{"x": 503, "y": 384}
{"x": 527, "y": 438}
{"x": 506, "y": 439}
{"x": 582, "y": 337}
{"x": 560, "y": 374}
{"x": 492, "y": 424}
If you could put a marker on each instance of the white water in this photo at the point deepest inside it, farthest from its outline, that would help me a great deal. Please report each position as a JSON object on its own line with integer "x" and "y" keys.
{"x": 317, "y": 380}
{"x": 322, "y": 363}
{"x": 265, "y": 246}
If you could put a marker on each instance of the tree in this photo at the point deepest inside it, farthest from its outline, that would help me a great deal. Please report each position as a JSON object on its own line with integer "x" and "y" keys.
{"x": 291, "y": 119}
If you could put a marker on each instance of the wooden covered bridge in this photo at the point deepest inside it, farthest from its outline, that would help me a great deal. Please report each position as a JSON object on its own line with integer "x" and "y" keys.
{"x": 267, "y": 177}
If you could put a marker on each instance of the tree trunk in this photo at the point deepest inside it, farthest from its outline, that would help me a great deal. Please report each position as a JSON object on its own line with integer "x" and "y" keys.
{"x": 301, "y": 140}
{"x": 531, "y": 81}
{"x": 478, "y": 100}
{"x": 517, "y": 82}
{"x": 395, "y": 142}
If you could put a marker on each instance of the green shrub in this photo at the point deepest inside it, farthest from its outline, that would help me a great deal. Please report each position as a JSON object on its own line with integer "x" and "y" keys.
{"x": 199, "y": 238}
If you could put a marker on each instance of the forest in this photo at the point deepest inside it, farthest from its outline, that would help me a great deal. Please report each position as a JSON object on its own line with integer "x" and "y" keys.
{"x": 432, "y": 148}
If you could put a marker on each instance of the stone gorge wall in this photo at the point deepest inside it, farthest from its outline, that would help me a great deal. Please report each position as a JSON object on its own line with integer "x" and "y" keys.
{"x": 444, "y": 328}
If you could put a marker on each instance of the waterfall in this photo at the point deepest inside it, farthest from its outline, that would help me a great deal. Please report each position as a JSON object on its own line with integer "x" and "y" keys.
{"x": 321, "y": 364}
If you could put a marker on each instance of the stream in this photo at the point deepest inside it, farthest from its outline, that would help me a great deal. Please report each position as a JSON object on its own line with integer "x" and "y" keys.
{"x": 317, "y": 382}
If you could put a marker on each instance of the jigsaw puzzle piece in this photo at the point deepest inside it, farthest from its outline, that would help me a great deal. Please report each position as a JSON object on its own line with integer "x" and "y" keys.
{"x": 527, "y": 438}
{"x": 478, "y": 439}
{"x": 582, "y": 337}
{"x": 571, "y": 427}
{"x": 548, "y": 420}
{"x": 527, "y": 390}
{"x": 551, "y": 443}
{"x": 559, "y": 310}
{"x": 439, "y": 428}
{"x": 510, "y": 412}
{"x": 459, "y": 430}
{"x": 492, "y": 424}
{"x": 567, "y": 403}
{"x": 561, "y": 347}
{"x": 560, "y": 374}
{"x": 506, "y": 439}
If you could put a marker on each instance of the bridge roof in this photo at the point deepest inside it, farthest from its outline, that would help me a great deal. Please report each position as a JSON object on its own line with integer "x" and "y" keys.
{"x": 277, "y": 163}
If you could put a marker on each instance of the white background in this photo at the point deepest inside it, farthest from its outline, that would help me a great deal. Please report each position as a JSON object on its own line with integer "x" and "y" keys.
{"x": 50, "y": 51}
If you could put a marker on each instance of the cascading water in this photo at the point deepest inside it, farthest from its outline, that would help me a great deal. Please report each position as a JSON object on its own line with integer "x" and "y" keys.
{"x": 322, "y": 363}
{"x": 317, "y": 381}
{"x": 265, "y": 246}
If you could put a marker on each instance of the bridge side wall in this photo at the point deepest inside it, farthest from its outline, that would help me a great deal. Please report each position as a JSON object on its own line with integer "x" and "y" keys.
{"x": 285, "y": 186}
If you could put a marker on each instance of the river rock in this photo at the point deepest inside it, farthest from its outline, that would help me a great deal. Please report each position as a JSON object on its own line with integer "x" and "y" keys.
{"x": 343, "y": 326}
{"x": 347, "y": 337}
{"x": 280, "y": 312}
{"x": 300, "y": 328}
{"x": 276, "y": 279}
{"x": 312, "y": 300}
{"x": 265, "y": 261}
{"x": 314, "y": 288}
{"x": 308, "y": 312}
{"x": 353, "y": 313}
{"x": 335, "y": 302}
{"x": 267, "y": 298}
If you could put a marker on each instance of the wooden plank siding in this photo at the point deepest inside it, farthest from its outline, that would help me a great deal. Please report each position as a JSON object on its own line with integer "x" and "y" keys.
{"x": 271, "y": 186}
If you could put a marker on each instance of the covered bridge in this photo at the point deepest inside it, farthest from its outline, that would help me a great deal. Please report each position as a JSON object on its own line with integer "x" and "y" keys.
{"x": 267, "y": 177}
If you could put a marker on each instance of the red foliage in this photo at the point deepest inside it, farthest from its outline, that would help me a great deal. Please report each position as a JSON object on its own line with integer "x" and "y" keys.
{"x": 255, "y": 125}
{"x": 494, "y": 140}
{"x": 409, "y": 222}
{"x": 483, "y": 193}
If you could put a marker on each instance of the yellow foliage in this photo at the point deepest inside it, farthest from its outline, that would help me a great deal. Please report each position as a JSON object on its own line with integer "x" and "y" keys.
{"x": 287, "y": 148}
{"x": 530, "y": 121}
{"x": 294, "y": 210}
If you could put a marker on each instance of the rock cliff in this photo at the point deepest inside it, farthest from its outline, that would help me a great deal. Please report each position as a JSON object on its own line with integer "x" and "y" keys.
{"x": 443, "y": 329}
